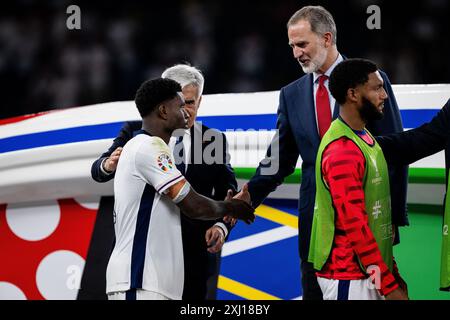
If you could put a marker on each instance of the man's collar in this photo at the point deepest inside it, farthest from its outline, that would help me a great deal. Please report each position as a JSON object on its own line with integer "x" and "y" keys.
{"x": 142, "y": 131}
{"x": 196, "y": 127}
{"x": 330, "y": 69}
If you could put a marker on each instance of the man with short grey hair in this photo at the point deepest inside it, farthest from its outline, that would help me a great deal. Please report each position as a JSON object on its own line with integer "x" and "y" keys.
{"x": 192, "y": 82}
{"x": 185, "y": 75}
{"x": 305, "y": 112}
{"x": 321, "y": 24}
{"x": 320, "y": 19}
{"x": 201, "y": 258}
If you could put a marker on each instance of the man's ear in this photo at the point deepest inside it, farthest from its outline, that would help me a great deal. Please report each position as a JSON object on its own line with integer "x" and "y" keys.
{"x": 162, "y": 111}
{"x": 199, "y": 101}
{"x": 328, "y": 37}
{"x": 353, "y": 95}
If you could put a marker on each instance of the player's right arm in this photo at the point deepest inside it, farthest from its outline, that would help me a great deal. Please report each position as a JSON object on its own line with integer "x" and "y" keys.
{"x": 155, "y": 164}
{"x": 196, "y": 206}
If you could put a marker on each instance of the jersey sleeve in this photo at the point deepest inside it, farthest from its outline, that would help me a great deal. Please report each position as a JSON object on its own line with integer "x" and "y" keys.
{"x": 155, "y": 163}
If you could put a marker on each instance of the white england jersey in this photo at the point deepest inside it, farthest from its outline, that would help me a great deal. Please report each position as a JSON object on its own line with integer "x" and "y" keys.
{"x": 148, "y": 252}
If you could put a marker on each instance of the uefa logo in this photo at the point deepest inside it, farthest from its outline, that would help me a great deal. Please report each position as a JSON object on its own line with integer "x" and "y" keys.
{"x": 165, "y": 162}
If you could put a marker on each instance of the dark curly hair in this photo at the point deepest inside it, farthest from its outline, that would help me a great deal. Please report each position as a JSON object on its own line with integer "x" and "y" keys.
{"x": 349, "y": 74}
{"x": 152, "y": 92}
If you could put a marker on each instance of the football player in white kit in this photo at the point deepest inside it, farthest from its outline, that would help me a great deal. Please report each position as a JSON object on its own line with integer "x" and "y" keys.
{"x": 149, "y": 191}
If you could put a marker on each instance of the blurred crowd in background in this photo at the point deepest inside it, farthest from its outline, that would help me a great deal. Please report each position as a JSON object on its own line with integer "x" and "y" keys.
{"x": 241, "y": 46}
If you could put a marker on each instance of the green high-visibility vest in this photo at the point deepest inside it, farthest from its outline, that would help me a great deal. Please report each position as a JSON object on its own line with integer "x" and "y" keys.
{"x": 445, "y": 254}
{"x": 376, "y": 193}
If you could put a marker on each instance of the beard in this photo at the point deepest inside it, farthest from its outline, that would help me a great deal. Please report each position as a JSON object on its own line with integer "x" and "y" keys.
{"x": 369, "y": 111}
{"x": 316, "y": 62}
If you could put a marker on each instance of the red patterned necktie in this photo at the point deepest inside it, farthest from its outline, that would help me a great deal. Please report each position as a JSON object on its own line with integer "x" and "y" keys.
{"x": 323, "y": 108}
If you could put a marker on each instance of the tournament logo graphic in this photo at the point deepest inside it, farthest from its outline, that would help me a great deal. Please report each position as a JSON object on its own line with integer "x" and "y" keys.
{"x": 165, "y": 162}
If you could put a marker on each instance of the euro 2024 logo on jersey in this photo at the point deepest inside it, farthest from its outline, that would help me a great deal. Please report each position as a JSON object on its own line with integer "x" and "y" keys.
{"x": 165, "y": 162}
{"x": 378, "y": 179}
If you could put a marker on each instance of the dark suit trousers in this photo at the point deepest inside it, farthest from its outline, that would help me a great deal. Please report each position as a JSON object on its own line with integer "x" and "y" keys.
{"x": 311, "y": 288}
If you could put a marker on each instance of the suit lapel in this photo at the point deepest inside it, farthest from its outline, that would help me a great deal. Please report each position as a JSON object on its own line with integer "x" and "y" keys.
{"x": 195, "y": 130}
{"x": 336, "y": 110}
{"x": 337, "y": 105}
{"x": 305, "y": 107}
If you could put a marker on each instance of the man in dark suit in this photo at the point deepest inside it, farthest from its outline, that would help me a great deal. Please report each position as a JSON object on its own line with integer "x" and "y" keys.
{"x": 201, "y": 257}
{"x": 412, "y": 145}
{"x": 304, "y": 114}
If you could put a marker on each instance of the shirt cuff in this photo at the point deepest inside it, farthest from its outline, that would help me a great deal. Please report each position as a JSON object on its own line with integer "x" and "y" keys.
{"x": 103, "y": 170}
{"x": 223, "y": 227}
